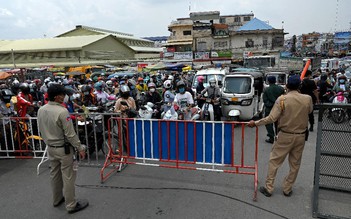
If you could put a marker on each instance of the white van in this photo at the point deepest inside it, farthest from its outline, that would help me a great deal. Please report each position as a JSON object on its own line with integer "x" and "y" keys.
{"x": 217, "y": 73}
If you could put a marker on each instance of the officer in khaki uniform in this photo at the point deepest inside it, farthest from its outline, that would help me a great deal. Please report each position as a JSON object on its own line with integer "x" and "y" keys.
{"x": 291, "y": 111}
{"x": 55, "y": 126}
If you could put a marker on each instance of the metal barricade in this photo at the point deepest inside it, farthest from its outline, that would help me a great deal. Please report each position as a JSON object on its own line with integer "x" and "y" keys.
{"x": 209, "y": 146}
{"x": 19, "y": 138}
{"x": 332, "y": 179}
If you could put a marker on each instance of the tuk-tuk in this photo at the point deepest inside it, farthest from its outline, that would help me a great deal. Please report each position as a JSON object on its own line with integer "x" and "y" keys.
{"x": 242, "y": 95}
{"x": 280, "y": 76}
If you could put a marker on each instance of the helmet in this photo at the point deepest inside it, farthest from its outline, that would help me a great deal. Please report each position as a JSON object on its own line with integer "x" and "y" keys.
{"x": 131, "y": 82}
{"x": 140, "y": 79}
{"x": 37, "y": 82}
{"x": 151, "y": 85}
{"x": 6, "y": 95}
{"x": 89, "y": 80}
{"x": 109, "y": 83}
{"x": 24, "y": 87}
{"x": 3, "y": 86}
{"x": 33, "y": 87}
{"x": 180, "y": 84}
{"x": 98, "y": 86}
{"x": 200, "y": 78}
{"x": 125, "y": 89}
{"x": 47, "y": 80}
{"x": 15, "y": 82}
{"x": 212, "y": 82}
{"x": 86, "y": 88}
{"x": 167, "y": 84}
{"x": 170, "y": 77}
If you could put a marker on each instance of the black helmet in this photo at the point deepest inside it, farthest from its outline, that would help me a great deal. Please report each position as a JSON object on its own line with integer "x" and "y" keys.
{"x": 180, "y": 84}
{"x": 86, "y": 88}
{"x": 33, "y": 87}
{"x": 24, "y": 87}
{"x": 6, "y": 95}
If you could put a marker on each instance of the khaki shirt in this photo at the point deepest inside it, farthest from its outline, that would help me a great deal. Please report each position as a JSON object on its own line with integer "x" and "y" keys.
{"x": 55, "y": 123}
{"x": 294, "y": 117}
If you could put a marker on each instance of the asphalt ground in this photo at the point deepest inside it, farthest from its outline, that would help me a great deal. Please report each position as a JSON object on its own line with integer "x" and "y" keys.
{"x": 152, "y": 192}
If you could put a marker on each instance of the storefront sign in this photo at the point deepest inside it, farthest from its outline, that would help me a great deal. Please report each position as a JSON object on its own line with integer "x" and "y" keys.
{"x": 201, "y": 55}
{"x": 183, "y": 55}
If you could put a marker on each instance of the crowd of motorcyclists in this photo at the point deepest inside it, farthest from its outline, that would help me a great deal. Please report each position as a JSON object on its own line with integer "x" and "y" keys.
{"x": 140, "y": 95}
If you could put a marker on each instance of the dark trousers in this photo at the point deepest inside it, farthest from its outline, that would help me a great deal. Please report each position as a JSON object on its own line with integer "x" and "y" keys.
{"x": 311, "y": 118}
{"x": 269, "y": 127}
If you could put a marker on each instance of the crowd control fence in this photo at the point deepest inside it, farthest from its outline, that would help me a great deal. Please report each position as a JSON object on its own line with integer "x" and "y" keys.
{"x": 332, "y": 177}
{"x": 191, "y": 145}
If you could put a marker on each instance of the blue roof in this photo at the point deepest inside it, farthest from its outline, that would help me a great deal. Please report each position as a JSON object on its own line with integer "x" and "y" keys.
{"x": 255, "y": 24}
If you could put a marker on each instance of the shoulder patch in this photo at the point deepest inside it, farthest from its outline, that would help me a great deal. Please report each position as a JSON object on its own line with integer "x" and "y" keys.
{"x": 68, "y": 118}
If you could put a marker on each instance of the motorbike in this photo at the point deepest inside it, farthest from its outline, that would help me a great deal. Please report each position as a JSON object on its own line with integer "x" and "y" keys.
{"x": 338, "y": 115}
{"x": 168, "y": 112}
{"x": 188, "y": 112}
{"x": 149, "y": 110}
{"x": 208, "y": 108}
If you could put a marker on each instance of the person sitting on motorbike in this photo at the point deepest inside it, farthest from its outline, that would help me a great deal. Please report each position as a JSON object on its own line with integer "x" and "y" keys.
{"x": 125, "y": 102}
{"x": 69, "y": 104}
{"x": 183, "y": 98}
{"x": 36, "y": 94}
{"x": 141, "y": 86}
{"x": 199, "y": 88}
{"x": 133, "y": 91}
{"x": 24, "y": 100}
{"x": 213, "y": 93}
{"x": 342, "y": 85}
{"x": 154, "y": 97}
{"x": 168, "y": 95}
{"x": 101, "y": 97}
{"x": 109, "y": 87}
{"x": 87, "y": 95}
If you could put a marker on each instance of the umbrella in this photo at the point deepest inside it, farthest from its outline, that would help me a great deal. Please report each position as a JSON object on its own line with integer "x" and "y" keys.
{"x": 158, "y": 66}
{"x": 4, "y": 75}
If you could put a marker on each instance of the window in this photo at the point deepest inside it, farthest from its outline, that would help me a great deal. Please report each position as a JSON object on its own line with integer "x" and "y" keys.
{"x": 222, "y": 20}
{"x": 220, "y": 44}
{"x": 265, "y": 42}
{"x": 247, "y": 18}
{"x": 249, "y": 43}
{"x": 201, "y": 46}
{"x": 187, "y": 32}
{"x": 237, "y": 85}
{"x": 173, "y": 33}
{"x": 237, "y": 19}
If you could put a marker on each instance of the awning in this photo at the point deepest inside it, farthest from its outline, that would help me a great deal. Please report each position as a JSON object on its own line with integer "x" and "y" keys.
{"x": 178, "y": 43}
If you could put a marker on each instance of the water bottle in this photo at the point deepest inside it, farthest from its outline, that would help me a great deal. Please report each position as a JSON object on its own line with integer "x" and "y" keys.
{"x": 75, "y": 163}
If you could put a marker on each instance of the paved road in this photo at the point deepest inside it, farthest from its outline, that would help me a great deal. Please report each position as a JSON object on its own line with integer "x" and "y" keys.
{"x": 150, "y": 192}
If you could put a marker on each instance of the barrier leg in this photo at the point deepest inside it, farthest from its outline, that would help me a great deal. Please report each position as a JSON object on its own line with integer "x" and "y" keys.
{"x": 43, "y": 159}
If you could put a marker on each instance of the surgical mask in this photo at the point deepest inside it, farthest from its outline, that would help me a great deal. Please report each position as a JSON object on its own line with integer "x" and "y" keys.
{"x": 71, "y": 98}
{"x": 66, "y": 99}
{"x": 132, "y": 87}
{"x": 342, "y": 81}
{"x": 181, "y": 90}
{"x": 212, "y": 84}
{"x": 152, "y": 90}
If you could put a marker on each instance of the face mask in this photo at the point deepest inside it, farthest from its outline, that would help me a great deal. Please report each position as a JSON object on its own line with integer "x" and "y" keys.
{"x": 152, "y": 90}
{"x": 132, "y": 87}
{"x": 71, "y": 98}
{"x": 66, "y": 99}
{"x": 342, "y": 81}
{"x": 212, "y": 85}
{"x": 181, "y": 90}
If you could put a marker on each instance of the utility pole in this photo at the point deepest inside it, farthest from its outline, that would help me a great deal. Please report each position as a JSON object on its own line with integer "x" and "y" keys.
{"x": 13, "y": 58}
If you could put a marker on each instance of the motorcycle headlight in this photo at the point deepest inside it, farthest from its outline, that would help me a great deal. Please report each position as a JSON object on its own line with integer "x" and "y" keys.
{"x": 246, "y": 102}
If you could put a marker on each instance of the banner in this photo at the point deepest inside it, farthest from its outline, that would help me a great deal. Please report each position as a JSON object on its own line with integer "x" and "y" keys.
{"x": 183, "y": 55}
{"x": 201, "y": 55}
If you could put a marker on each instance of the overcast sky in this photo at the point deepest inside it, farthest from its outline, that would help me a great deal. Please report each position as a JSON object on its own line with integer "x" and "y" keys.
{"x": 26, "y": 19}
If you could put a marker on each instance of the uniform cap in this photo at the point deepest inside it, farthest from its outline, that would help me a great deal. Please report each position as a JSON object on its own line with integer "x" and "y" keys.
{"x": 294, "y": 81}
{"x": 271, "y": 79}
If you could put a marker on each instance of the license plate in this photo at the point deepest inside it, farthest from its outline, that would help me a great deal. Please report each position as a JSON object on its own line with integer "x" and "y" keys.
{"x": 234, "y": 99}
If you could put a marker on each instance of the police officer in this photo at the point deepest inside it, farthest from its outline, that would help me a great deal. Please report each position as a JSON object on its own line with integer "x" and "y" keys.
{"x": 56, "y": 127}
{"x": 270, "y": 95}
{"x": 291, "y": 110}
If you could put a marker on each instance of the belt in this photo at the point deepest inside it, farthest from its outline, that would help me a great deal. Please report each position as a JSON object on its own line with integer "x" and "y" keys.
{"x": 56, "y": 146}
{"x": 293, "y": 133}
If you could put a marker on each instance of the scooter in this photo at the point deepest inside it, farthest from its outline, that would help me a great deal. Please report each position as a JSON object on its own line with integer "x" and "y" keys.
{"x": 188, "y": 113}
{"x": 169, "y": 113}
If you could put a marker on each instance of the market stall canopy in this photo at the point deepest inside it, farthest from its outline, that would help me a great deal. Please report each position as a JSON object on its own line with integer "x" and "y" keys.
{"x": 121, "y": 74}
{"x": 4, "y": 75}
{"x": 157, "y": 66}
{"x": 175, "y": 67}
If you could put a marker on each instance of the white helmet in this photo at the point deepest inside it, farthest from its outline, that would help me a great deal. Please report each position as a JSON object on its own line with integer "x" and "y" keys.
{"x": 167, "y": 84}
{"x": 170, "y": 77}
{"x": 109, "y": 83}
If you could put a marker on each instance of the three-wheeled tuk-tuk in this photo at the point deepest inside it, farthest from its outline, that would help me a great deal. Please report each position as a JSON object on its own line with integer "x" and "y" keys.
{"x": 242, "y": 95}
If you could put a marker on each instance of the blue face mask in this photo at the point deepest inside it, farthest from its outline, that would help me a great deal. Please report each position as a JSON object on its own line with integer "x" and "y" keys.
{"x": 132, "y": 87}
{"x": 342, "y": 81}
{"x": 181, "y": 90}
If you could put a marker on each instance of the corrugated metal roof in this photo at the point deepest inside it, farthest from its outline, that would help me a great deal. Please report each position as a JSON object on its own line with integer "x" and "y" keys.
{"x": 50, "y": 44}
{"x": 115, "y": 33}
{"x": 255, "y": 24}
{"x": 145, "y": 49}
